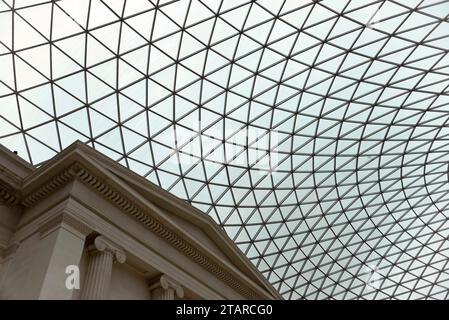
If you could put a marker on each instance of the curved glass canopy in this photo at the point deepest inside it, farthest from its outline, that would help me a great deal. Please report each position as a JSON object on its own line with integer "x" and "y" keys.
{"x": 315, "y": 132}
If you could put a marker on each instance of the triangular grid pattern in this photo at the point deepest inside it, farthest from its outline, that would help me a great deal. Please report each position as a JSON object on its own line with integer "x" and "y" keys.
{"x": 316, "y": 133}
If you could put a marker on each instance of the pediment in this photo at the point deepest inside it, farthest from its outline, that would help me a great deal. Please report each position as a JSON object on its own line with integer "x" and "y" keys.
{"x": 191, "y": 230}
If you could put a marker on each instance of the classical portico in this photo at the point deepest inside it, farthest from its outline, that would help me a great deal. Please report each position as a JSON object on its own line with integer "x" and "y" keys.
{"x": 128, "y": 238}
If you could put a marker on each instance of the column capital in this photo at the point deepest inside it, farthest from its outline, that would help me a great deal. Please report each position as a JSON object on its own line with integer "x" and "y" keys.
{"x": 103, "y": 244}
{"x": 166, "y": 284}
{"x": 102, "y": 253}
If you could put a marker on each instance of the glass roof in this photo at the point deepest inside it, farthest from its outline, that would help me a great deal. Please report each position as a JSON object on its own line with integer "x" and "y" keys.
{"x": 315, "y": 132}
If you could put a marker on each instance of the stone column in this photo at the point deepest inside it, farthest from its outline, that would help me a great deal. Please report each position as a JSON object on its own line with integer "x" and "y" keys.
{"x": 102, "y": 254}
{"x": 165, "y": 288}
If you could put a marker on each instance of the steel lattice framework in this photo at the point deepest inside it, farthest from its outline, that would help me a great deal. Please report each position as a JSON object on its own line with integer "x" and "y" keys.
{"x": 315, "y": 132}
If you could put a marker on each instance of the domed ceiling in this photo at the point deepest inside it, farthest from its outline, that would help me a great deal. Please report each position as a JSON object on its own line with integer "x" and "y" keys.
{"x": 314, "y": 132}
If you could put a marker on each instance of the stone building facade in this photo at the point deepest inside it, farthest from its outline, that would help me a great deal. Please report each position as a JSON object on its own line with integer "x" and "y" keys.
{"x": 81, "y": 226}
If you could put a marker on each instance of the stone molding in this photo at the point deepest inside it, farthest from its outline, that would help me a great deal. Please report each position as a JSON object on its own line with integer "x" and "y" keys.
{"x": 9, "y": 250}
{"x": 63, "y": 219}
{"x": 76, "y": 171}
{"x": 8, "y": 194}
{"x": 7, "y": 197}
{"x": 8, "y": 175}
{"x": 166, "y": 283}
{"x": 50, "y": 186}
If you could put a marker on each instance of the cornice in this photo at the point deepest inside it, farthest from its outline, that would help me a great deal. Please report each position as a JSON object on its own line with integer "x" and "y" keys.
{"x": 81, "y": 173}
{"x": 8, "y": 198}
{"x": 9, "y": 183}
{"x": 8, "y": 175}
{"x": 8, "y": 195}
{"x": 51, "y": 185}
{"x": 16, "y": 159}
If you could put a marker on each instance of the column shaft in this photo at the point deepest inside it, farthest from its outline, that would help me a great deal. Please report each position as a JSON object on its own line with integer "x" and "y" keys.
{"x": 98, "y": 275}
{"x": 102, "y": 254}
